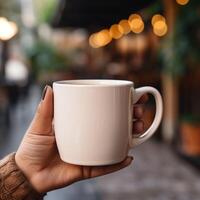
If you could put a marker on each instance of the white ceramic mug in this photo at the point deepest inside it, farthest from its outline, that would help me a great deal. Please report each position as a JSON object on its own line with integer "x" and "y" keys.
{"x": 93, "y": 120}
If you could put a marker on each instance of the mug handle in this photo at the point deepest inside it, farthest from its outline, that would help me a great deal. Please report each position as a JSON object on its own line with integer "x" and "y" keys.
{"x": 136, "y": 94}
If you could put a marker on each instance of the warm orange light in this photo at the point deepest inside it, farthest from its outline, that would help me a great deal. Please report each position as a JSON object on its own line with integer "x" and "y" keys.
{"x": 182, "y": 2}
{"x": 159, "y": 25}
{"x": 157, "y": 18}
{"x": 100, "y": 39}
{"x": 7, "y": 29}
{"x": 104, "y": 37}
{"x": 160, "y": 28}
{"x": 134, "y": 16}
{"x": 116, "y": 31}
{"x": 124, "y": 26}
{"x": 93, "y": 41}
{"x": 137, "y": 25}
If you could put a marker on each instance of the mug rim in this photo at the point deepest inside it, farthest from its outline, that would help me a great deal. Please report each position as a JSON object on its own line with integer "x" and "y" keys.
{"x": 94, "y": 83}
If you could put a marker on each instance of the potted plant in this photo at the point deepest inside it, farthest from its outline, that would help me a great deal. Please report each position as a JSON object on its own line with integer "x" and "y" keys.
{"x": 190, "y": 135}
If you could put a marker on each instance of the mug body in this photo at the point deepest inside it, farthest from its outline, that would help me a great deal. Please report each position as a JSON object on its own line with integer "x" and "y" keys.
{"x": 92, "y": 120}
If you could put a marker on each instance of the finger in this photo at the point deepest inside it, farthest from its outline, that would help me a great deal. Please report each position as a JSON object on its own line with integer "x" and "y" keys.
{"x": 42, "y": 122}
{"x": 138, "y": 127}
{"x": 143, "y": 99}
{"x": 91, "y": 172}
{"x": 138, "y": 111}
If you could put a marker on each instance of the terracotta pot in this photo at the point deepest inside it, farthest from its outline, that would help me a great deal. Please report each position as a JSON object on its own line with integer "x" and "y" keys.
{"x": 190, "y": 139}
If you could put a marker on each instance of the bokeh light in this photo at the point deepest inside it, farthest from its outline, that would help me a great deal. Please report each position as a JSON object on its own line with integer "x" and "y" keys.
{"x": 100, "y": 39}
{"x": 124, "y": 26}
{"x": 157, "y": 18}
{"x": 8, "y": 29}
{"x": 134, "y": 16}
{"x": 160, "y": 28}
{"x": 93, "y": 40}
{"x": 182, "y": 2}
{"x": 116, "y": 31}
{"x": 137, "y": 25}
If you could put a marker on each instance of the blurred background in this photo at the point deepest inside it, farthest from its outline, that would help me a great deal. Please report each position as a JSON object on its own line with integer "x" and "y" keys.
{"x": 153, "y": 42}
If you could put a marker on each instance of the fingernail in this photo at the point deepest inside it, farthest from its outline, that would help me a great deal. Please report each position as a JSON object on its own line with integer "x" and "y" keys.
{"x": 44, "y": 92}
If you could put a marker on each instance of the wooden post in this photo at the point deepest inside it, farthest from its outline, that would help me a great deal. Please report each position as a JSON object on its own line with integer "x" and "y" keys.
{"x": 170, "y": 84}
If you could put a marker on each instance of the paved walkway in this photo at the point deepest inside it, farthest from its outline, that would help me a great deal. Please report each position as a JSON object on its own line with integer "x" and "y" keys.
{"x": 156, "y": 173}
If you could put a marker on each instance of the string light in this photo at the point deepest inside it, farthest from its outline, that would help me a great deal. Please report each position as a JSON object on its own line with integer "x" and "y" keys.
{"x": 159, "y": 25}
{"x": 124, "y": 26}
{"x": 157, "y": 18}
{"x": 160, "y": 28}
{"x": 93, "y": 41}
{"x": 100, "y": 39}
{"x": 8, "y": 29}
{"x": 137, "y": 25}
{"x": 134, "y": 23}
{"x": 182, "y": 2}
{"x": 116, "y": 31}
{"x": 134, "y": 16}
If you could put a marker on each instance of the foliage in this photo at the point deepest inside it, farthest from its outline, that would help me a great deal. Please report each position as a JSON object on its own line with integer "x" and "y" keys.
{"x": 157, "y": 7}
{"x": 181, "y": 49}
{"x": 187, "y": 31}
{"x": 45, "y": 9}
{"x": 45, "y": 58}
{"x": 191, "y": 119}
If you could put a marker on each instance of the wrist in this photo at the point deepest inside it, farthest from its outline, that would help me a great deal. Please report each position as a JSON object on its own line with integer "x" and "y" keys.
{"x": 15, "y": 184}
{"x": 27, "y": 172}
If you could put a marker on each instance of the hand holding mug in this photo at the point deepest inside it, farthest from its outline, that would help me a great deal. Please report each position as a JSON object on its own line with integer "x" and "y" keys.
{"x": 38, "y": 155}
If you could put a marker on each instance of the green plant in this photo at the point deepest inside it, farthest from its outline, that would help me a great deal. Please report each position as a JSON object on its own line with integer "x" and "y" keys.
{"x": 45, "y": 10}
{"x": 155, "y": 8}
{"x": 188, "y": 27}
{"x": 191, "y": 119}
{"x": 181, "y": 49}
{"x": 45, "y": 58}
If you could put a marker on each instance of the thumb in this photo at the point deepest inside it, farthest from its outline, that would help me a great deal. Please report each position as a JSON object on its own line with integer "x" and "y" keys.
{"x": 42, "y": 121}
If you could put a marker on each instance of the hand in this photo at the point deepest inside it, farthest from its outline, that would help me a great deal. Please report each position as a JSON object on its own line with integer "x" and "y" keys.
{"x": 38, "y": 156}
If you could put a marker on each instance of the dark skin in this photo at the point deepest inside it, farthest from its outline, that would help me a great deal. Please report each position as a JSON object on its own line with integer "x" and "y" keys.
{"x": 48, "y": 174}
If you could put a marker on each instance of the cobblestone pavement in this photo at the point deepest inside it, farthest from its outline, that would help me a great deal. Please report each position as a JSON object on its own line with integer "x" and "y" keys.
{"x": 157, "y": 173}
